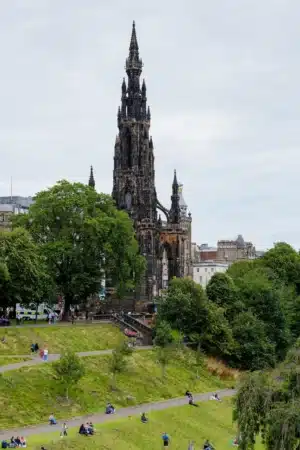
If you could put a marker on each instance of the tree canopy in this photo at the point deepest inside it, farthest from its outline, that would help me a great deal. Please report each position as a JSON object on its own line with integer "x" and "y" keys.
{"x": 249, "y": 315}
{"x": 84, "y": 239}
{"x": 23, "y": 271}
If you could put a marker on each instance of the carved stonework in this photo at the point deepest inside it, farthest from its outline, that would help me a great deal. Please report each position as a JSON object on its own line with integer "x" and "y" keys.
{"x": 134, "y": 186}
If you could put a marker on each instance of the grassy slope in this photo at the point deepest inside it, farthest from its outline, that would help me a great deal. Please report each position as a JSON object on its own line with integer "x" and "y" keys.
{"x": 4, "y": 360}
{"x": 211, "y": 420}
{"x": 78, "y": 338}
{"x": 30, "y": 394}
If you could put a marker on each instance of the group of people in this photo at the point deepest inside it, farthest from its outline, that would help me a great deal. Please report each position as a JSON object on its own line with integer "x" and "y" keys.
{"x": 87, "y": 429}
{"x": 18, "y": 442}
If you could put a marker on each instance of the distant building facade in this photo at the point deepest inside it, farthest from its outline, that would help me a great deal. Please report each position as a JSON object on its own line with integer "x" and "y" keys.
{"x": 230, "y": 251}
{"x": 203, "y": 271}
{"x": 10, "y": 206}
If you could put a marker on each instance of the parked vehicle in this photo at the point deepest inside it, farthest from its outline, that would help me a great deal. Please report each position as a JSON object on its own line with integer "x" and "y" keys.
{"x": 30, "y": 312}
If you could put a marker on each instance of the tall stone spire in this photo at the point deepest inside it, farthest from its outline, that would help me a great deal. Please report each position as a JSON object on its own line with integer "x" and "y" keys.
{"x": 175, "y": 206}
{"x": 91, "y": 179}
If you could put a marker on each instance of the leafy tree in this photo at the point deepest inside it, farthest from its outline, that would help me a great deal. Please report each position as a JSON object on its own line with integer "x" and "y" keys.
{"x": 283, "y": 260}
{"x": 252, "y": 350}
{"x": 69, "y": 369}
{"x": 262, "y": 297}
{"x": 163, "y": 334}
{"x": 23, "y": 269}
{"x": 4, "y": 282}
{"x": 164, "y": 355}
{"x": 270, "y": 407}
{"x": 221, "y": 290}
{"x": 187, "y": 309}
{"x": 118, "y": 362}
{"x": 83, "y": 238}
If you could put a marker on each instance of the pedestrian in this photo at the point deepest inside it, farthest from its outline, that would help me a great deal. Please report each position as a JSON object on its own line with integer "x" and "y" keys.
{"x": 166, "y": 440}
{"x": 64, "y": 430}
{"x": 45, "y": 354}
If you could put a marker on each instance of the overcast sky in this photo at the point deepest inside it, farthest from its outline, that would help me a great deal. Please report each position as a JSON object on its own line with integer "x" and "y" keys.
{"x": 222, "y": 82}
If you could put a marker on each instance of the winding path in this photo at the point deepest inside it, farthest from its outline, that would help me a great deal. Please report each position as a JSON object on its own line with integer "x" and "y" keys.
{"x": 102, "y": 418}
{"x": 54, "y": 357}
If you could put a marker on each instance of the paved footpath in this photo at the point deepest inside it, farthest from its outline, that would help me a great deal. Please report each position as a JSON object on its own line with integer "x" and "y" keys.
{"x": 102, "y": 418}
{"x": 54, "y": 357}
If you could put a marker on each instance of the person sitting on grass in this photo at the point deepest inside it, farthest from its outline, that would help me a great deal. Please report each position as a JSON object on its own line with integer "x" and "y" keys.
{"x": 23, "y": 443}
{"x": 110, "y": 409}
{"x": 188, "y": 394}
{"x": 91, "y": 428}
{"x": 52, "y": 420}
{"x": 82, "y": 430}
{"x": 215, "y": 397}
{"x": 32, "y": 348}
{"x": 43, "y": 448}
{"x": 144, "y": 418}
{"x": 4, "y": 444}
{"x": 36, "y": 347}
{"x": 208, "y": 446}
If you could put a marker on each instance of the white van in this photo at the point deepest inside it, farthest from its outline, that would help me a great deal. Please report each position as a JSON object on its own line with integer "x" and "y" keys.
{"x": 30, "y": 312}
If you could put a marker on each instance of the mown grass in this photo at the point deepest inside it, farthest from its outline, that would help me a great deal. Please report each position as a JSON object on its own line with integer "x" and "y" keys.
{"x": 78, "y": 338}
{"x": 30, "y": 394}
{"x": 5, "y": 360}
{"x": 211, "y": 421}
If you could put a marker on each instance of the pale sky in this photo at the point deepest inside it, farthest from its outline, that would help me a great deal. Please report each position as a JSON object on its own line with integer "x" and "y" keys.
{"x": 222, "y": 83}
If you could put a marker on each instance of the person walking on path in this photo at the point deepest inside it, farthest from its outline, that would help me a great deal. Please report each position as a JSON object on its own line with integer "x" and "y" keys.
{"x": 45, "y": 355}
{"x": 64, "y": 430}
{"x": 166, "y": 439}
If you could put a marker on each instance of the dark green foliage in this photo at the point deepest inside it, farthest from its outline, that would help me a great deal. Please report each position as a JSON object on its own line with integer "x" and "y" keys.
{"x": 82, "y": 237}
{"x": 253, "y": 350}
{"x": 118, "y": 361}
{"x": 270, "y": 407}
{"x": 23, "y": 272}
{"x": 163, "y": 334}
{"x": 69, "y": 370}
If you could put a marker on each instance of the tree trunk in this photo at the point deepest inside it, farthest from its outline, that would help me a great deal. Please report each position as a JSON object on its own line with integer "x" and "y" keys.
{"x": 36, "y": 312}
{"x": 67, "y": 303}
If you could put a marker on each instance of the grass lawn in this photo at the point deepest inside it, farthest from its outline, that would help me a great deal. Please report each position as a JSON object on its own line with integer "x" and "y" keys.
{"x": 30, "y": 394}
{"x": 211, "y": 421}
{"x": 4, "y": 360}
{"x": 78, "y": 338}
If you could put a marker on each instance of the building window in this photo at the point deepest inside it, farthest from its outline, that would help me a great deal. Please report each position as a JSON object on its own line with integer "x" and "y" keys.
{"x": 205, "y": 269}
{"x": 212, "y": 269}
{"x": 197, "y": 269}
{"x": 200, "y": 279}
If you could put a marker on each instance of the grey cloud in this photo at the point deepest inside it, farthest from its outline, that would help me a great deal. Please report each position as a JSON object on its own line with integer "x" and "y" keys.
{"x": 222, "y": 81}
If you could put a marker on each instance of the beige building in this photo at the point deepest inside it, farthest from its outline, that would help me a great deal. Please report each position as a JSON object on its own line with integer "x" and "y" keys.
{"x": 229, "y": 251}
{"x": 6, "y": 213}
{"x": 203, "y": 271}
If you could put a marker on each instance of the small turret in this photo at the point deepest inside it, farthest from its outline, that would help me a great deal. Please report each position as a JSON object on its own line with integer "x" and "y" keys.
{"x": 175, "y": 206}
{"x": 151, "y": 143}
{"x": 148, "y": 113}
{"x": 123, "y": 87}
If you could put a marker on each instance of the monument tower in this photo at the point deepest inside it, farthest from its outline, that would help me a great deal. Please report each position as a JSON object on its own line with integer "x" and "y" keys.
{"x": 134, "y": 185}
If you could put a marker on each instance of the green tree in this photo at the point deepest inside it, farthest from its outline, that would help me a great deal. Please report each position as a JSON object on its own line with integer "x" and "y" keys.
{"x": 187, "y": 309}
{"x": 69, "y": 369}
{"x": 25, "y": 266}
{"x": 83, "y": 238}
{"x": 119, "y": 360}
{"x": 252, "y": 350}
{"x": 163, "y": 334}
{"x": 270, "y": 407}
{"x": 164, "y": 356}
{"x": 4, "y": 284}
{"x": 221, "y": 290}
{"x": 284, "y": 261}
{"x": 262, "y": 296}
